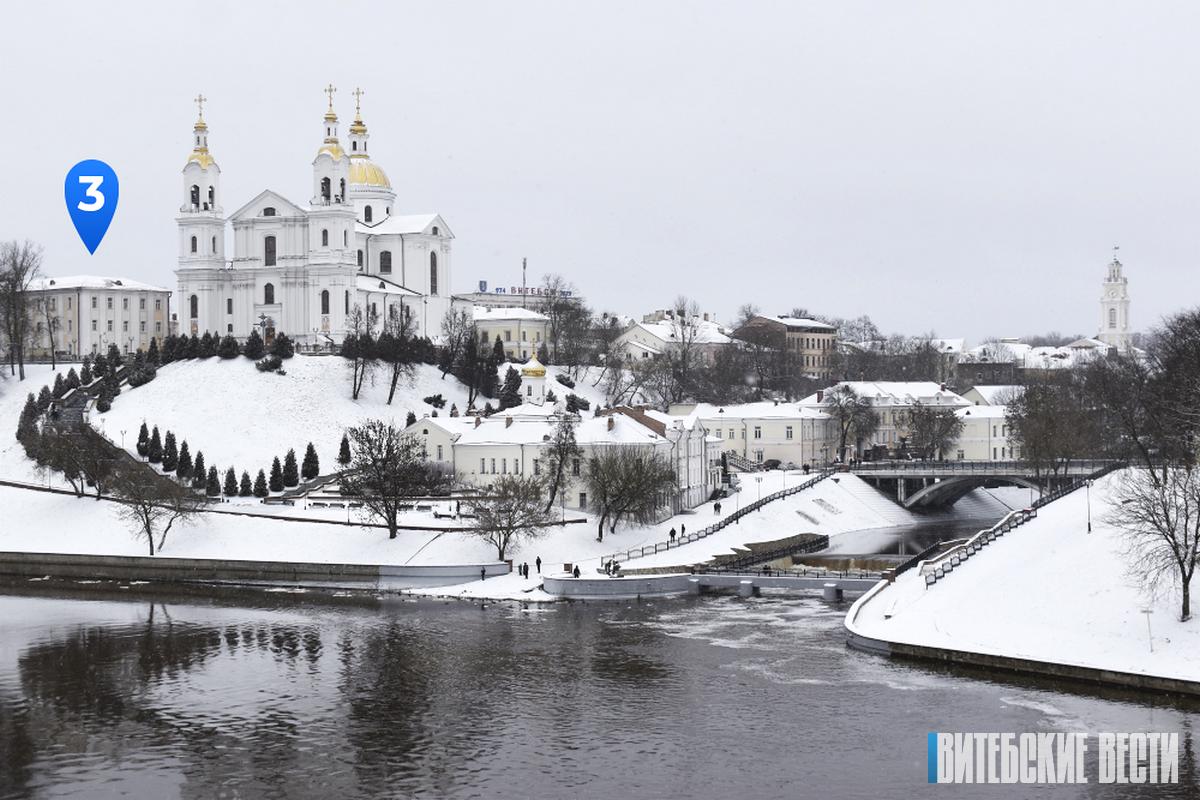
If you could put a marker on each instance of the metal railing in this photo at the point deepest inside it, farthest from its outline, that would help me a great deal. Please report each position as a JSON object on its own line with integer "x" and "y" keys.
{"x": 662, "y": 547}
{"x": 1022, "y": 467}
{"x": 818, "y": 542}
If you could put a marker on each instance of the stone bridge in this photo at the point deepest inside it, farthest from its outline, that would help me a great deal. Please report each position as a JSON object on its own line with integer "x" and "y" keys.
{"x": 938, "y": 484}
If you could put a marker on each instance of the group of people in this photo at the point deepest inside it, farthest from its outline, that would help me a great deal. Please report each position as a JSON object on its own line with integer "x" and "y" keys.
{"x": 682, "y": 532}
{"x": 612, "y": 569}
{"x": 523, "y": 569}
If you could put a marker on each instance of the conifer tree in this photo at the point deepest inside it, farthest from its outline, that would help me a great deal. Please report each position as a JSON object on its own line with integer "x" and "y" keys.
{"x": 311, "y": 467}
{"x": 193, "y": 347}
{"x": 44, "y": 398}
{"x": 276, "y": 483}
{"x": 72, "y": 379}
{"x": 291, "y": 475}
{"x": 488, "y": 410}
{"x": 184, "y": 469}
{"x": 114, "y": 359}
{"x": 27, "y": 425}
{"x": 498, "y": 356}
{"x": 139, "y": 359}
{"x": 152, "y": 355}
{"x": 283, "y": 346}
{"x": 245, "y": 488}
{"x": 543, "y": 355}
{"x": 170, "y": 455}
{"x": 344, "y": 451}
{"x": 154, "y": 451}
{"x": 212, "y": 486}
{"x": 454, "y": 409}
{"x": 198, "y": 473}
{"x": 208, "y": 348}
{"x": 169, "y": 349}
{"x": 231, "y": 483}
{"x": 85, "y": 373}
{"x": 99, "y": 366}
{"x": 260, "y": 485}
{"x": 228, "y": 347}
{"x": 410, "y": 420}
{"x": 143, "y": 441}
{"x": 60, "y": 387}
{"x": 253, "y": 349}
{"x": 510, "y": 394}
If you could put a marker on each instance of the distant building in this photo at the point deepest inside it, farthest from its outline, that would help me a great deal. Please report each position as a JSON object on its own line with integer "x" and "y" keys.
{"x": 82, "y": 314}
{"x": 809, "y": 345}
{"x": 521, "y": 330}
{"x": 1114, "y": 308}
{"x": 992, "y": 395}
{"x": 767, "y": 430}
{"x": 985, "y": 436}
{"x": 652, "y": 338}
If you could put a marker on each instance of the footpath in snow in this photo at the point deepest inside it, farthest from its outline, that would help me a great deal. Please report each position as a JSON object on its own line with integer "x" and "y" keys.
{"x": 1046, "y": 591}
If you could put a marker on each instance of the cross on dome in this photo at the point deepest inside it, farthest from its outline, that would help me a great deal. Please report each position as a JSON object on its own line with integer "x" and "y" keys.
{"x": 200, "y": 101}
{"x": 358, "y": 93}
{"x": 330, "y": 90}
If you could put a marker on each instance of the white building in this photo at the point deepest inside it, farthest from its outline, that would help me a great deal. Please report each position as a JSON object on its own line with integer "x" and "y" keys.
{"x": 995, "y": 395}
{"x": 768, "y": 430}
{"x": 1114, "y": 308}
{"x": 643, "y": 340}
{"x": 81, "y": 314}
{"x": 891, "y": 400}
{"x": 985, "y": 436}
{"x": 301, "y": 268}
{"x": 521, "y": 330}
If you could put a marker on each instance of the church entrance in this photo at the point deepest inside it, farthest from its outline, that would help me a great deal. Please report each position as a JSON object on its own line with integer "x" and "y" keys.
{"x": 269, "y": 335}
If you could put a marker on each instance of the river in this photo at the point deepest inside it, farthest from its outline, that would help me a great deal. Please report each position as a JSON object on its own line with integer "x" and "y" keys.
{"x": 149, "y": 694}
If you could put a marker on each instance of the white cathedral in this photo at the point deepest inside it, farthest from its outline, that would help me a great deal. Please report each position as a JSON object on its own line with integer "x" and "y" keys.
{"x": 300, "y": 270}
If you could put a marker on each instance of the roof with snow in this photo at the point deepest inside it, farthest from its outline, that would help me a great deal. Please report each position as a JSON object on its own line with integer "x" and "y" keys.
{"x": 982, "y": 412}
{"x": 896, "y": 393}
{"x": 490, "y": 314}
{"x": 996, "y": 394}
{"x": 92, "y": 282}
{"x": 766, "y": 409}
{"x": 406, "y": 223}
{"x": 665, "y": 332}
{"x": 803, "y": 322}
{"x": 373, "y": 283}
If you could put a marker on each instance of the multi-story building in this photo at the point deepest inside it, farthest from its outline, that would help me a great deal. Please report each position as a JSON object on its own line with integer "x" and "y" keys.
{"x": 767, "y": 431}
{"x": 82, "y": 314}
{"x": 809, "y": 345}
{"x": 521, "y": 330}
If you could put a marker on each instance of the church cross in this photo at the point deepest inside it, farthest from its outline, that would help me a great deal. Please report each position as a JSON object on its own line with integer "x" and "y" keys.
{"x": 200, "y": 100}
{"x": 329, "y": 90}
{"x": 358, "y": 93}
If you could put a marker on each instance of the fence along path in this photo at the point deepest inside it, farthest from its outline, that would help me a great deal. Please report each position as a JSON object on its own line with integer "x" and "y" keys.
{"x": 661, "y": 547}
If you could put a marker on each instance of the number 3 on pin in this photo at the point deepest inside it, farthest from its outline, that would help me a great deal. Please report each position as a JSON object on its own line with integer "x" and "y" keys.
{"x": 91, "y": 191}
{"x": 96, "y": 197}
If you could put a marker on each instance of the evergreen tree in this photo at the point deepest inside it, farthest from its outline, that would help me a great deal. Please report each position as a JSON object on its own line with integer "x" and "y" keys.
{"x": 208, "y": 347}
{"x": 510, "y": 394}
{"x": 291, "y": 475}
{"x": 100, "y": 366}
{"x": 60, "y": 387}
{"x": 212, "y": 486}
{"x": 193, "y": 347}
{"x": 454, "y": 409}
{"x": 139, "y": 359}
{"x": 72, "y": 379}
{"x": 154, "y": 450}
{"x": 184, "y": 469}
{"x": 260, "y": 485}
{"x": 488, "y": 410}
{"x": 143, "y": 440}
{"x": 498, "y": 356}
{"x": 228, "y": 347}
{"x": 344, "y": 452}
{"x": 410, "y": 420}
{"x": 43, "y": 399}
{"x": 253, "y": 349}
{"x": 276, "y": 483}
{"x": 198, "y": 473}
{"x": 168, "y": 349}
{"x": 104, "y": 404}
{"x": 114, "y": 359}
{"x": 543, "y": 354}
{"x": 231, "y": 483}
{"x": 85, "y": 373}
{"x": 27, "y": 425}
{"x": 283, "y": 346}
{"x": 153, "y": 355}
{"x": 170, "y": 455}
{"x": 245, "y": 488}
{"x": 311, "y": 467}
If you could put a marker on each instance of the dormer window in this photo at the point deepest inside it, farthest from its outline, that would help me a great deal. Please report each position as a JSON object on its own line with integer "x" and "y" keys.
{"x": 269, "y": 211}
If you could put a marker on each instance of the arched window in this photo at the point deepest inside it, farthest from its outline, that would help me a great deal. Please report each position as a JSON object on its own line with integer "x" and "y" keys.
{"x": 228, "y": 305}
{"x": 433, "y": 288}
{"x": 367, "y": 214}
{"x": 193, "y": 244}
{"x": 195, "y": 195}
{"x": 345, "y": 238}
{"x": 269, "y": 294}
{"x": 269, "y": 251}
{"x": 347, "y": 301}
{"x": 268, "y": 211}
{"x": 324, "y": 301}
{"x": 211, "y": 197}
{"x": 342, "y": 183}
{"x": 324, "y": 237}
{"x": 374, "y": 310}
{"x": 1112, "y": 318}
{"x": 385, "y": 261}
{"x": 435, "y": 230}
{"x": 354, "y": 145}
{"x": 360, "y": 259}
{"x": 229, "y": 328}
{"x": 193, "y": 306}
{"x": 325, "y": 190}
{"x": 214, "y": 244}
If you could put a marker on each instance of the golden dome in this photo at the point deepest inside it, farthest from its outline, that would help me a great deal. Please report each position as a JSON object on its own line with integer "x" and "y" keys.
{"x": 365, "y": 172}
{"x": 333, "y": 148}
{"x": 533, "y": 369}
{"x": 202, "y": 157}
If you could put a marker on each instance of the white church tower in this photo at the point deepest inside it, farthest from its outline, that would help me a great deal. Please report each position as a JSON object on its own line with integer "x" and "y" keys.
{"x": 1114, "y": 308}
{"x": 201, "y": 219}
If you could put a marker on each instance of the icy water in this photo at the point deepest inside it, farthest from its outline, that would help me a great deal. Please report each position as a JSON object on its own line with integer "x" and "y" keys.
{"x": 284, "y": 695}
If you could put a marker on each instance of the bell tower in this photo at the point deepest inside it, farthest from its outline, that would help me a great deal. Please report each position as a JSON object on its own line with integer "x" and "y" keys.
{"x": 1114, "y": 307}
{"x": 201, "y": 222}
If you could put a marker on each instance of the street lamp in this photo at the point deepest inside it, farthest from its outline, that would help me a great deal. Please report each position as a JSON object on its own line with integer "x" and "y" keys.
{"x": 1088, "y": 491}
{"x": 758, "y": 480}
{"x": 122, "y": 438}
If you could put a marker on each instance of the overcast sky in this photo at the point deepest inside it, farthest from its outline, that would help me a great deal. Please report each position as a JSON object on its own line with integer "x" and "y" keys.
{"x": 958, "y": 167}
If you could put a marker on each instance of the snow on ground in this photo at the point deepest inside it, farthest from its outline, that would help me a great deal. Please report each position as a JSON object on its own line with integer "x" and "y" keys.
{"x": 1050, "y": 570}
{"x": 14, "y": 464}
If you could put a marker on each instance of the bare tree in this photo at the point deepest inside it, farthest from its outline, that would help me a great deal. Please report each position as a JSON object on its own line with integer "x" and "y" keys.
{"x": 359, "y": 347}
{"x": 458, "y": 333}
{"x": 388, "y": 469}
{"x": 1054, "y": 421}
{"x": 556, "y": 303}
{"x": 561, "y": 457}
{"x": 51, "y": 323}
{"x": 932, "y": 430}
{"x": 628, "y": 482}
{"x": 853, "y": 415}
{"x": 1159, "y": 519}
{"x": 511, "y": 510}
{"x": 395, "y": 347}
{"x": 20, "y": 264}
{"x": 151, "y": 505}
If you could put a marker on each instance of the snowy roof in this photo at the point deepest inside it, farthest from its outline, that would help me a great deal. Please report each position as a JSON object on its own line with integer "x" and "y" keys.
{"x": 982, "y": 412}
{"x": 664, "y": 331}
{"x": 947, "y": 345}
{"x": 92, "y": 282}
{"x": 992, "y": 395}
{"x": 803, "y": 322}
{"x": 405, "y": 223}
{"x": 766, "y": 409}
{"x": 898, "y": 393}
{"x": 531, "y": 430}
{"x": 489, "y": 314}
{"x": 373, "y": 283}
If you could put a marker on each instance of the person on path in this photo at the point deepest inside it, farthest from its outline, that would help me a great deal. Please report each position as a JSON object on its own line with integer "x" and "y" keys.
{"x": 538, "y": 562}
{"x": 525, "y": 567}
{"x": 575, "y": 572}
{"x": 717, "y": 508}
{"x": 672, "y": 534}
{"x": 483, "y": 573}
{"x": 682, "y": 531}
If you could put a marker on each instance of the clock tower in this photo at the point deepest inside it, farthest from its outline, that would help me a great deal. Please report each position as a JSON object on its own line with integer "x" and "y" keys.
{"x": 1114, "y": 307}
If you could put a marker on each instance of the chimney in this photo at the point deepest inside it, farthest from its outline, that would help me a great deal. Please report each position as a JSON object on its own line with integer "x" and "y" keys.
{"x": 478, "y": 421}
{"x": 820, "y": 395}
{"x": 508, "y": 422}
{"x": 611, "y": 421}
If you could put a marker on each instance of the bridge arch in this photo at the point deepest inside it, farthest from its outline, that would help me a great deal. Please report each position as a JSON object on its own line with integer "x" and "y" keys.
{"x": 948, "y": 491}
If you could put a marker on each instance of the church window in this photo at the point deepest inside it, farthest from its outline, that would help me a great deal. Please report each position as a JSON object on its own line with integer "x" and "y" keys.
{"x": 193, "y": 306}
{"x": 324, "y": 301}
{"x": 367, "y": 214}
{"x": 342, "y": 184}
{"x": 360, "y": 258}
{"x": 142, "y": 304}
{"x": 385, "y": 261}
{"x": 193, "y": 244}
{"x": 325, "y": 189}
{"x": 354, "y": 145}
{"x": 195, "y": 196}
{"x": 324, "y": 237}
{"x": 229, "y": 328}
{"x": 269, "y": 251}
{"x": 435, "y": 230}
{"x": 228, "y": 305}
{"x": 269, "y": 294}
{"x": 1112, "y": 318}
{"x": 268, "y": 211}
{"x": 211, "y": 198}
{"x": 433, "y": 288}
{"x": 347, "y": 301}
{"x": 214, "y": 245}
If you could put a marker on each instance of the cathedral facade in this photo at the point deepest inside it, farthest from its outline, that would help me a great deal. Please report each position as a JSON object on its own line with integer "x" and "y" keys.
{"x": 308, "y": 270}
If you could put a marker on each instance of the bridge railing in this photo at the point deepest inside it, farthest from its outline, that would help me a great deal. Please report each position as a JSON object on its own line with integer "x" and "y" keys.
{"x": 986, "y": 467}
{"x": 724, "y": 522}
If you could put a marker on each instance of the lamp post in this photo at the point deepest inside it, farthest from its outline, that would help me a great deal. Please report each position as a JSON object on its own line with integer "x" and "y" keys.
{"x": 122, "y": 438}
{"x": 758, "y": 480}
{"x": 1149, "y": 635}
{"x": 1088, "y": 491}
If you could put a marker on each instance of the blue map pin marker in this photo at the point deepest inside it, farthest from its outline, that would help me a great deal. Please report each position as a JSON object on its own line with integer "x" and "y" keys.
{"x": 91, "y": 190}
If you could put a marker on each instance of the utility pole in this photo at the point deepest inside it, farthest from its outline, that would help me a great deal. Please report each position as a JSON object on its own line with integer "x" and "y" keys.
{"x": 524, "y": 290}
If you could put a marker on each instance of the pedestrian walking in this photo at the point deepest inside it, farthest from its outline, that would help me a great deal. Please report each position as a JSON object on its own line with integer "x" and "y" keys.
{"x": 682, "y": 531}
{"x": 538, "y": 562}
{"x": 525, "y": 567}
{"x": 575, "y": 572}
{"x": 672, "y": 534}
{"x": 717, "y": 508}
{"x": 483, "y": 573}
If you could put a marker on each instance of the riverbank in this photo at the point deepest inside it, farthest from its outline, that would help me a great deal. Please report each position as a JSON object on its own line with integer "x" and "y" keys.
{"x": 1092, "y": 622}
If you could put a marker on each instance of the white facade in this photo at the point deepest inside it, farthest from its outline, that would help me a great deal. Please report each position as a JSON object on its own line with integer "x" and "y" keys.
{"x": 891, "y": 400}
{"x": 82, "y": 314}
{"x": 301, "y": 269}
{"x": 643, "y": 340}
{"x": 765, "y": 431}
{"x": 1114, "y": 308}
{"x": 985, "y": 436}
{"x": 520, "y": 330}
